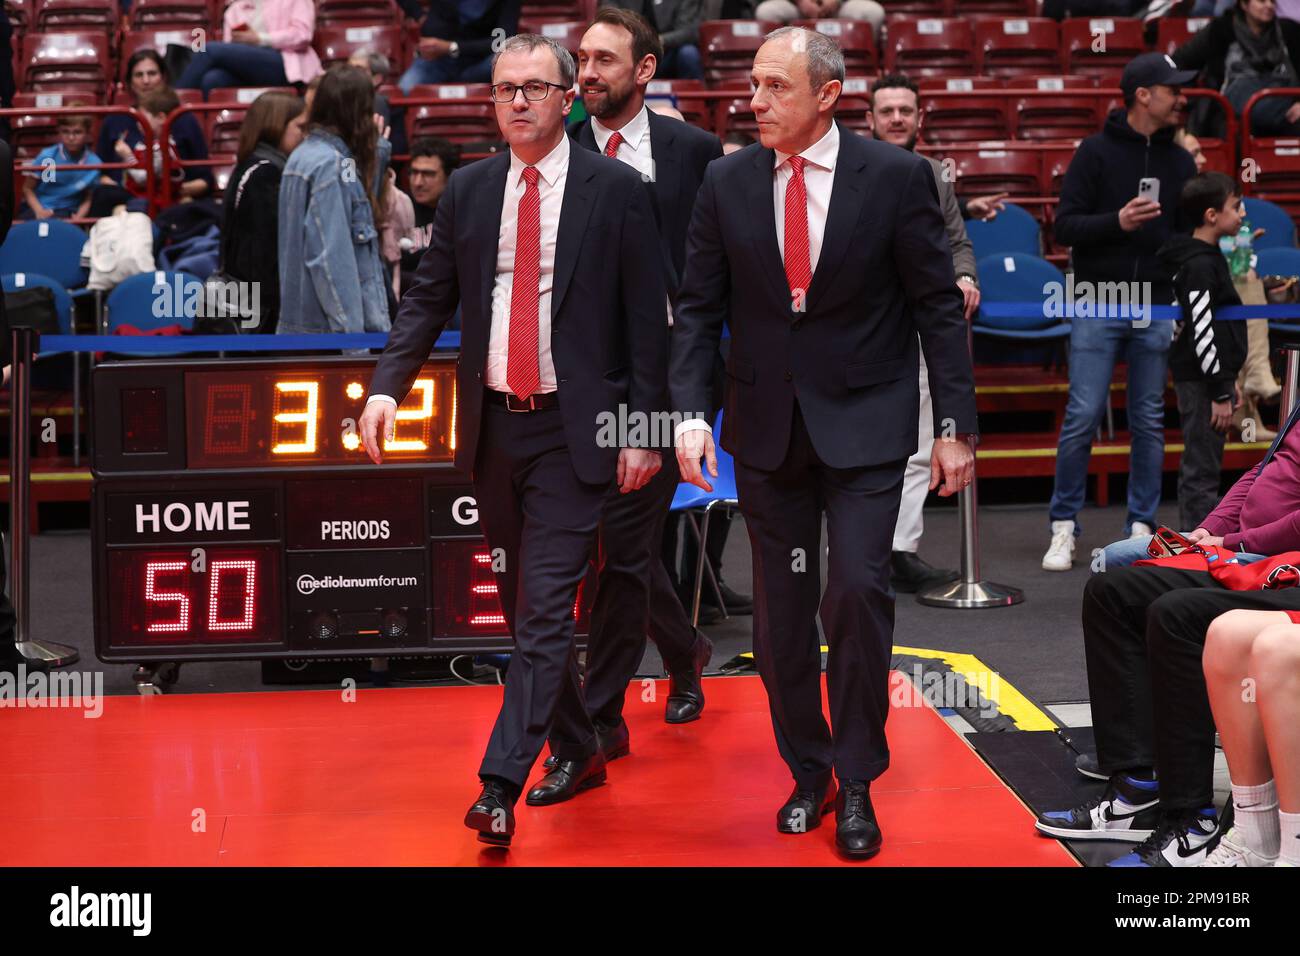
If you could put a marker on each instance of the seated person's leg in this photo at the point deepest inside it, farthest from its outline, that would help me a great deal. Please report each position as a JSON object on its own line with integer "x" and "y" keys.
{"x": 423, "y": 71}
{"x": 867, "y": 10}
{"x": 683, "y": 63}
{"x": 776, "y": 11}
{"x": 1275, "y": 658}
{"x": 476, "y": 71}
{"x": 1234, "y": 701}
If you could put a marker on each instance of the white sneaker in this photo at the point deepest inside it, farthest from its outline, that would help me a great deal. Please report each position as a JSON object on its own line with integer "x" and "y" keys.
{"x": 1231, "y": 853}
{"x": 1060, "y": 556}
{"x": 1140, "y": 530}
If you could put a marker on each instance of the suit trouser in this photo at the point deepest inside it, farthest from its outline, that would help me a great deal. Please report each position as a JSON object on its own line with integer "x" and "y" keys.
{"x": 916, "y": 479}
{"x": 1201, "y": 464}
{"x": 534, "y": 508}
{"x": 1144, "y": 632}
{"x": 783, "y": 514}
{"x": 633, "y": 596}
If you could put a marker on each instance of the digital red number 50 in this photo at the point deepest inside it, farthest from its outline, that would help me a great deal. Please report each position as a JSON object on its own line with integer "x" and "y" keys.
{"x": 236, "y": 612}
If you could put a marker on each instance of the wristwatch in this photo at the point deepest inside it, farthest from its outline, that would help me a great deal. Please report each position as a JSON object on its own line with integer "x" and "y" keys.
{"x": 969, "y": 278}
{"x": 454, "y": 50}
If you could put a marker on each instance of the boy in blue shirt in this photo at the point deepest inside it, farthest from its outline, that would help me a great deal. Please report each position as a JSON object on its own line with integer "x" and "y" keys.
{"x": 62, "y": 192}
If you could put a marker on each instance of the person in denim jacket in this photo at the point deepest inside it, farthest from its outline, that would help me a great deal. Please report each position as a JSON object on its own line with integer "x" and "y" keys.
{"x": 331, "y": 276}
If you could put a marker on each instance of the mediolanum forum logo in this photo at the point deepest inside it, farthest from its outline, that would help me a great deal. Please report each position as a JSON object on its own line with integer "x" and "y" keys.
{"x": 310, "y": 584}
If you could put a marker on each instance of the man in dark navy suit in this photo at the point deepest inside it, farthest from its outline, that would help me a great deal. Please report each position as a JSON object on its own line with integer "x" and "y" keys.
{"x": 826, "y": 254}
{"x": 616, "y": 60}
{"x": 563, "y": 323}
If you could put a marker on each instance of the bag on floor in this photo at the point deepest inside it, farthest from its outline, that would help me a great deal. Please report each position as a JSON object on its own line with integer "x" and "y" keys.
{"x": 119, "y": 247}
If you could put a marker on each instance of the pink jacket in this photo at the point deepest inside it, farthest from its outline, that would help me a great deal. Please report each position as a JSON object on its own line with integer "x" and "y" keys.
{"x": 290, "y": 25}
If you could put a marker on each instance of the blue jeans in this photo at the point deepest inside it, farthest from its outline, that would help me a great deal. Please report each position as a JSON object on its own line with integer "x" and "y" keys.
{"x": 1095, "y": 345}
{"x": 224, "y": 65}
{"x": 682, "y": 63}
{"x": 446, "y": 70}
{"x": 1120, "y": 554}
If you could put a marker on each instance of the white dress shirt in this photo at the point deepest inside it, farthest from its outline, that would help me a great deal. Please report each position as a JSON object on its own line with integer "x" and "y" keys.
{"x": 819, "y": 179}
{"x": 553, "y": 171}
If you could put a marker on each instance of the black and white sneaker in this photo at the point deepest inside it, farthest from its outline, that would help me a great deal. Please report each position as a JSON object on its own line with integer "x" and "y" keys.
{"x": 1183, "y": 838}
{"x": 1128, "y": 809}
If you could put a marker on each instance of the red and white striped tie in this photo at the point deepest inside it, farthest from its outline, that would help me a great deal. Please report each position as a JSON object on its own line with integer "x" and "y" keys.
{"x": 523, "y": 370}
{"x": 798, "y": 259}
{"x": 612, "y": 144}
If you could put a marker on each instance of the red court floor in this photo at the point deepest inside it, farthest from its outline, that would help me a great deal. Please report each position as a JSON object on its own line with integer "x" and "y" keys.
{"x": 303, "y": 778}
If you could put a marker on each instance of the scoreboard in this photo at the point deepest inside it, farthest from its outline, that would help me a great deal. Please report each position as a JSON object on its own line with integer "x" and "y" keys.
{"x": 236, "y": 515}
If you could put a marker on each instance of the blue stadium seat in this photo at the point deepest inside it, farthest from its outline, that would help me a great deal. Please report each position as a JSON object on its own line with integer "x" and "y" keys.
{"x": 1279, "y": 229}
{"x": 1014, "y": 230}
{"x": 62, "y": 301}
{"x": 1016, "y": 277}
{"x": 48, "y": 247}
{"x": 696, "y": 503}
{"x": 132, "y": 301}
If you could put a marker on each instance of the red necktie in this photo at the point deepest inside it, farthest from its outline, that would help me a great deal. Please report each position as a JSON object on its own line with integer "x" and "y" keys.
{"x": 613, "y": 143}
{"x": 798, "y": 261}
{"x": 523, "y": 371}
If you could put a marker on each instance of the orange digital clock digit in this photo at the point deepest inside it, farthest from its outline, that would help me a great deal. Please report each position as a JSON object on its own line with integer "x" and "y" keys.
{"x": 422, "y": 413}
{"x": 304, "y": 418}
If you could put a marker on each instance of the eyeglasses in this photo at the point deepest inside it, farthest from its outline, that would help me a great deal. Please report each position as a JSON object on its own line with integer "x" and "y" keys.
{"x": 534, "y": 90}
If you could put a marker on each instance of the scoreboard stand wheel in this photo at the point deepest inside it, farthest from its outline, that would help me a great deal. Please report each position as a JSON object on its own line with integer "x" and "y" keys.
{"x": 156, "y": 678}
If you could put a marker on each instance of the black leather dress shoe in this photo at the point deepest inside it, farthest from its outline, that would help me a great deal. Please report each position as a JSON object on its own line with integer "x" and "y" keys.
{"x": 686, "y": 690}
{"x": 856, "y": 832}
{"x": 613, "y": 743}
{"x": 493, "y": 814}
{"x": 910, "y": 573}
{"x": 567, "y": 779}
{"x": 804, "y": 810}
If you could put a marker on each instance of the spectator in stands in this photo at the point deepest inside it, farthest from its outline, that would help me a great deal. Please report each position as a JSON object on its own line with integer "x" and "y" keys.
{"x": 1248, "y": 49}
{"x": 1260, "y": 733}
{"x": 181, "y": 185}
{"x": 678, "y": 25}
{"x": 894, "y": 117}
{"x": 265, "y": 43}
{"x": 62, "y": 192}
{"x": 1207, "y": 351}
{"x": 146, "y": 72}
{"x": 787, "y": 11}
{"x": 456, "y": 39}
{"x": 331, "y": 275}
{"x": 735, "y": 141}
{"x": 376, "y": 66}
{"x": 1114, "y": 235}
{"x": 1187, "y": 141}
{"x": 397, "y": 234}
{"x": 433, "y": 160}
{"x": 273, "y": 128}
{"x": 1144, "y": 628}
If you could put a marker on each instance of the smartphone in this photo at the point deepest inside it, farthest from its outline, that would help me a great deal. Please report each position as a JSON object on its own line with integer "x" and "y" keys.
{"x": 1167, "y": 542}
{"x": 1149, "y": 188}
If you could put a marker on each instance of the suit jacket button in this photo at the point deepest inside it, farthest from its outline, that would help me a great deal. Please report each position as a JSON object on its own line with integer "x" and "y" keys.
{"x": 789, "y": 377}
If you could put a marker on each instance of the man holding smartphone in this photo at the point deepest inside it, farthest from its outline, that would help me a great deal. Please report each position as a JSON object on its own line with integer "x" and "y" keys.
{"x": 1114, "y": 226}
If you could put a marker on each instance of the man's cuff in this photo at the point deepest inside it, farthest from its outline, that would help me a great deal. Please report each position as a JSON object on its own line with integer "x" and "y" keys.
{"x": 690, "y": 425}
{"x": 382, "y": 398}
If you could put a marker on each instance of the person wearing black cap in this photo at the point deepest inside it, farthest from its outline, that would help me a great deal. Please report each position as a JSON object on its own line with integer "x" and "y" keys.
{"x": 1114, "y": 234}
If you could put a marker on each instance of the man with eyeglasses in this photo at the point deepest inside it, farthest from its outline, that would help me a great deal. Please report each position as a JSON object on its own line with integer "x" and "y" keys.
{"x": 548, "y": 350}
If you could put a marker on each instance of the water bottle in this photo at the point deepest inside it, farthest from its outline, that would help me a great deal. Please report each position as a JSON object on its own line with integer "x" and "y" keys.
{"x": 1242, "y": 252}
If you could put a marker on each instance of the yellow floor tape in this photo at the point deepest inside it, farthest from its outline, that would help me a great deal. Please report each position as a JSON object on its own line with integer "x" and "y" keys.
{"x": 1009, "y": 701}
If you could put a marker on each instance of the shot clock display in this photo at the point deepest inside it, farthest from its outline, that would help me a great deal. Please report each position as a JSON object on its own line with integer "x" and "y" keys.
{"x": 236, "y": 515}
{"x": 247, "y": 419}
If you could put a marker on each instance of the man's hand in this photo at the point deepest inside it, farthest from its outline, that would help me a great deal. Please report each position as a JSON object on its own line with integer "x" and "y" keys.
{"x": 970, "y": 294}
{"x": 432, "y": 48}
{"x": 1137, "y": 212}
{"x": 692, "y": 446}
{"x": 986, "y": 207}
{"x": 1293, "y": 113}
{"x": 636, "y": 466}
{"x": 1210, "y": 541}
{"x": 953, "y": 463}
{"x": 379, "y": 418}
{"x": 251, "y": 37}
{"x": 1196, "y": 536}
{"x": 382, "y": 128}
{"x": 40, "y": 212}
{"x": 1221, "y": 415}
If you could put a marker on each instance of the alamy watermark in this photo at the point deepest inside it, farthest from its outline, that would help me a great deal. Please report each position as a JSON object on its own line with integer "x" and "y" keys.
{"x": 55, "y": 689}
{"x": 624, "y": 428}
{"x": 1119, "y": 301}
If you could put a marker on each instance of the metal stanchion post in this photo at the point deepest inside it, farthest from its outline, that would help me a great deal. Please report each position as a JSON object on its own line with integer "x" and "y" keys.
{"x": 20, "y": 425}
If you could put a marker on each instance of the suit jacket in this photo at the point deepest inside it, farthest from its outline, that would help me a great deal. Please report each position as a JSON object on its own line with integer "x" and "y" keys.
{"x": 678, "y": 21}
{"x": 681, "y": 152}
{"x": 6, "y": 219}
{"x": 608, "y": 337}
{"x": 884, "y": 274}
{"x": 954, "y": 224}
